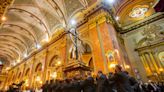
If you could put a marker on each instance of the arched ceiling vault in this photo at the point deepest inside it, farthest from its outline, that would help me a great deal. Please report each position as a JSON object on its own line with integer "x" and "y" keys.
{"x": 31, "y": 21}
{"x": 26, "y": 32}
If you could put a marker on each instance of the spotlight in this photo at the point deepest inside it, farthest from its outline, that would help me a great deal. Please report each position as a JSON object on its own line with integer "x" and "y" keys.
{"x": 38, "y": 46}
{"x": 110, "y": 1}
{"x": 112, "y": 65}
{"x": 73, "y": 22}
{"x": 3, "y": 18}
{"x": 18, "y": 60}
{"x": 117, "y": 18}
{"x": 59, "y": 63}
{"x": 25, "y": 55}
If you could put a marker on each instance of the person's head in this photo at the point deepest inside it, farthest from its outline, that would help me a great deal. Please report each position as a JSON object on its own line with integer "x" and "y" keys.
{"x": 51, "y": 81}
{"x": 118, "y": 68}
{"x": 89, "y": 74}
{"x": 99, "y": 73}
{"x": 126, "y": 72}
{"x": 110, "y": 74}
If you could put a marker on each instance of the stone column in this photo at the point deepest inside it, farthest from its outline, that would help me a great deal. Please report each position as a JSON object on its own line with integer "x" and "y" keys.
{"x": 143, "y": 62}
{"x": 157, "y": 60}
{"x": 102, "y": 48}
{"x": 152, "y": 66}
{"x": 45, "y": 67}
{"x": 159, "y": 65}
{"x": 147, "y": 63}
{"x": 153, "y": 61}
{"x": 31, "y": 77}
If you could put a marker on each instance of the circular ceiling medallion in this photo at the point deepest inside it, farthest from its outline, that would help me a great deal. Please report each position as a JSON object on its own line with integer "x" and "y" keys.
{"x": 139, "y": 11}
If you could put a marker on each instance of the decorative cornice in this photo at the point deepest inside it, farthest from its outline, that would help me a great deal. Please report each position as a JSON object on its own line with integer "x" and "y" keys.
{"x": 152, "y": 45}
{"x": 142, "y": 23}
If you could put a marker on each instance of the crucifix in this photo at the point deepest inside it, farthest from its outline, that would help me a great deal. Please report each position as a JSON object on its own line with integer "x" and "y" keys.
{"x": 77, "y": 42}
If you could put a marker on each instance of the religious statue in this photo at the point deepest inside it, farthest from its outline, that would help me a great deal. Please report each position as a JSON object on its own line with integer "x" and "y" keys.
{"x": 77, "y": 48}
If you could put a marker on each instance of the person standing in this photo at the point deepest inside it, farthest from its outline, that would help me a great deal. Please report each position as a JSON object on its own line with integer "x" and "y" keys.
{"x": 102, "y": 83}
{"x": 121, "y": 80}
{"x": 88, "y": 84}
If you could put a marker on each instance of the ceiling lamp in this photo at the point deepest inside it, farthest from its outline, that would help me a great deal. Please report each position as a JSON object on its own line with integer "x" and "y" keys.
{"x": 59, "y": 62}
{"x": 117, "y": 18}
{"x": 18, "y": 60}
{"x": 3, "y": 18}
{"x": 14, "y": 63}
{"x": 73, "y": 22}
{"x": 25, "y": 55}
{"x": 38, "y": 46}
{"x": 112, "y": 65}
{"x": 110, "y": 1}
{"x": 47, "y": 39}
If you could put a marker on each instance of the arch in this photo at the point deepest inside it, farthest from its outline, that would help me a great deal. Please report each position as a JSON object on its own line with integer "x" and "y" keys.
{"x": 75, "y": 12}
{"x": 38, "y": 67}
{"x": 91, "y": 64}
{"x": 7, "y": 57}
{"x": 27, "y": 72}
{"x": 140, "y": 42}
{"x": 24, "y": 29}
{"x": 19, "y": 75}
{"x": 87, "y": 48}
{"x": 7, "y": 53}
{"x": 59, "y": 9}
{"x": 23, "y": 10}
{"x": 14, "y": 43}
{"x": 52, "y": 61}
{"x": 15, "y": 37}
{"x": 9, "y": 49}
{"x": 91, "y": 61}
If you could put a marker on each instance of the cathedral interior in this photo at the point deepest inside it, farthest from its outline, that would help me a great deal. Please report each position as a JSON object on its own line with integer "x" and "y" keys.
{"x": 42, "y": 40}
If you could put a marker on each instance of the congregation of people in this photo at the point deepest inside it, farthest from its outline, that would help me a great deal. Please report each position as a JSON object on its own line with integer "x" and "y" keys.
{"x": 120, "y": 81}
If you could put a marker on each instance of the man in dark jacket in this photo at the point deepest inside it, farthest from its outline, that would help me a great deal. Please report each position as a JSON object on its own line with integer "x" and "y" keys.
{"x": 133, "y": 81}
{"x": 88, "y": 84}
{"x": 102, "y": 83}
{"x": 121, "y": 80}
{"x": 45, "y": 87}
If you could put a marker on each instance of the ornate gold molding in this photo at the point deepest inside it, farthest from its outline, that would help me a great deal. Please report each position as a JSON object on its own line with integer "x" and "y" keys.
{"x": 4, "y": 4}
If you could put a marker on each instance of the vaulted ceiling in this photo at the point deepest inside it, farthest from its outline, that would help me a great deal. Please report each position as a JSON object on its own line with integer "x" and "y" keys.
{"x": 29, "y": 23}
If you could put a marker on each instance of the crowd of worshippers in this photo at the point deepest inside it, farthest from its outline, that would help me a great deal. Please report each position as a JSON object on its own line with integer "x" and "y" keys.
{"x": 120, "y": 81}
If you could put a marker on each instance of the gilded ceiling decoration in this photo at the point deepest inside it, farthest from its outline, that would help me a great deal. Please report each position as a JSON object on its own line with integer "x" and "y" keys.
{"x": 131, "y": 11}
{"x": 139, "y": 11}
